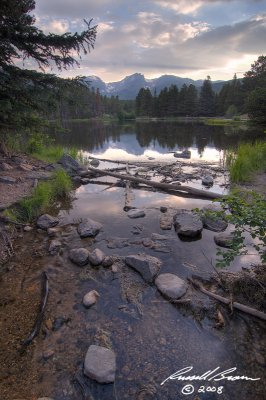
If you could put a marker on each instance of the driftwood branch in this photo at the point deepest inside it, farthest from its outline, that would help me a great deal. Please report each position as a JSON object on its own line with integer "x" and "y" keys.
{"x": 38, "y": 322}
{"x": 178, "y": 189}
{"x": 238, "y": 306}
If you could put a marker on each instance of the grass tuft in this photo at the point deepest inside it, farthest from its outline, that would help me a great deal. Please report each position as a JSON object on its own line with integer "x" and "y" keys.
{"x": 250, "y": 158}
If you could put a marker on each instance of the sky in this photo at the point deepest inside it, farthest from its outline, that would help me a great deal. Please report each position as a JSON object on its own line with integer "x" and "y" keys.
{"x": 187, "y": 38}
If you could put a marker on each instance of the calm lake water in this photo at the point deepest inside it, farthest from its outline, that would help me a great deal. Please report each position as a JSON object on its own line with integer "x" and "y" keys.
{"x": 151, "y": 337}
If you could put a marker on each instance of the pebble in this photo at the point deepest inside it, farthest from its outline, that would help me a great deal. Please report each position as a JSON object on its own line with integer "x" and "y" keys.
{"x": 100, "y": 364}
{"x": 90, "y": 298}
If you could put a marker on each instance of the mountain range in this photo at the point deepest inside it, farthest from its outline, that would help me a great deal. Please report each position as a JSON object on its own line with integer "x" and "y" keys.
{"x": 128, "y": 88}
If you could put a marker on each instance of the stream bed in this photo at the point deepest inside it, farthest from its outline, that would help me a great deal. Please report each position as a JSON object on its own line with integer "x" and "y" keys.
{"x": 151, "y": 337}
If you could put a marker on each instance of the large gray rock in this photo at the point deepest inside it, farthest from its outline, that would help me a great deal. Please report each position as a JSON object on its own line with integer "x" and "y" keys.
{"x": 214, "y": 223}
{"x": 79, "y": 256}
{"x": 100, "y": 364}
{"x": 188, "y": 224}
{"x": 146, "y": 265}
{"x": 89, "y": 228}
{"x": 136, "y": 213}
{"x": 46, "y": 221}
{"x": 171, "y": 286}
{"x": 224, "y": 239}
{"x": 69, "y": 163}
{"x": 96, "y": 257}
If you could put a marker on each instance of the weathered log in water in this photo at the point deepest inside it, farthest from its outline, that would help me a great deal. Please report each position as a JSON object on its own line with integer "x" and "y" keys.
{"x": 234, "y": 304}
{"x": 163, "y": 186}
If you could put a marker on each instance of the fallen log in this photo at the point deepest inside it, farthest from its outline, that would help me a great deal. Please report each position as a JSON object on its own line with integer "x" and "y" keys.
{"x": 38, "y": 322}
{"x": 234, "y": 304}
{"x": 163, "y": 186}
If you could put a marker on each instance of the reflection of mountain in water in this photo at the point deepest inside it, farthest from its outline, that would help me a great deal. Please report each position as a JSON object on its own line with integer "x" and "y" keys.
{"x": 162, "y": 137}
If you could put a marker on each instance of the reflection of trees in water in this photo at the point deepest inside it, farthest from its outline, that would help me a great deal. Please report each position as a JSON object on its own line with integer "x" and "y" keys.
{"x": 95, "y": 135}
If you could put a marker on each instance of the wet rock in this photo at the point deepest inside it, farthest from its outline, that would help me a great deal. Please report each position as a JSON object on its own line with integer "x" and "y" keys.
{"x": 59, "y": 322}
{"x": 107, "y": 261}
{"x": 95, "y": 163}
{"x": 224, "y": 239}
{"x": 136, "y": 213}
{"x": 77, "y": 179}
{"x": 117, "y": 243}
{"x": 137, "y": 229}
{"x": 7, "y": 179}
{"x": 5, "y": 167}
{"x": 54, "y": 247}
{"x": 89, "y": 228}
{"x": 214, "y": 223}
{"x": 157, "y": 236}
{"x": 100, "y": 364}
{"x": 69, "y": 163}
{"x": 146, "y": 265}
{"x": 46, "y": 221}
{"x": 163, "y": 209}
{"x": 27, "y": 228}
{"x": 214, "y": 207}
{"x": 160, "y": 248}
{"x": 171, "y": 286}
{"x": 147, "y": 242}
{"x": 207, "y": 180}
{"x": 166, "y": 222}
{"x": 79, "y": 256}
{"x": 90, "y": 298}
{"x": 53, "y": 231}
{"x": 96, "y": 257}
{"x": 188, "y": 224}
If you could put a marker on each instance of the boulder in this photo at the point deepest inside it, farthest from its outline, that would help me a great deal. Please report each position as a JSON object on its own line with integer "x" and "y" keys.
{"x": 46, "y": 221}
{"x": 136, "y": 213}
{"x": 171, "y": 286}
{"x": 89, "y": 228}
{"x": 188, "y": 224}
{"x": 214, "y": 223}
{"x": 90, "y": 298}
{"x": 69, "y": 163}
{"x": 207, "y": 180}
{"x": 79, "y": 256}
{"x": 100, "y": 364}
{"x": 146, "y": 265}
{"x": 224, "y": 239}
{"x": 96, "y": 257}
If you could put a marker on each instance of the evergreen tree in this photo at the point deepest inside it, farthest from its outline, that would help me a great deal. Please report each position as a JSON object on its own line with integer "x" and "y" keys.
{"x": 207, "y": 99}
{"x": 21, "y": 90}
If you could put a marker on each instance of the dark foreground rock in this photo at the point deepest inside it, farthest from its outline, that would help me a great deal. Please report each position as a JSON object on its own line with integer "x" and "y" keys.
{"x": 146, "y": 265}
{"x": 89, "y": 228}
{"x": 69, "y": 163}
{"x": 171, "y": 286}
{"x": 213, "y": 223}
{"x": 188, "y": 224}
{"x": 46, "y": 221}
{"x": 100, "y": 364}
{"x": 207, "y": 180}
{"x": 79, "y": 256}
{"x": 224, "y": 239}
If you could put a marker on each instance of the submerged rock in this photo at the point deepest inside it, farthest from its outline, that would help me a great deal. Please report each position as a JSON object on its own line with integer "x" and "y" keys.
{"x": 100, "y": 364}
{"x": 224, "y": 239}
{"x": 171, "y": 286}
{"x": 117, "y": 243}
{"x": 146, "y": 265}
{"x": 166, "y": 222}
{"x": 79, "y": 256}
{"x": 136, "y": 213}
{"x": 46, "y": 221}
{"x": 54, "y": 247}
{"x": 89, "y": 228}
{"x": 188, "y": 224}
{"x": 90, "y": 298}
{"x": 214, "y": 223}
{"x": 96, "y": 257}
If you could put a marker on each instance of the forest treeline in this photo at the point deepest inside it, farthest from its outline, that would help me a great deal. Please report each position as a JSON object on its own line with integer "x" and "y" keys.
{"x": 236, "y": 97}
